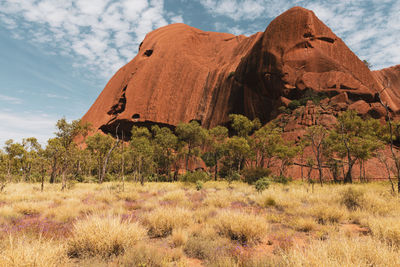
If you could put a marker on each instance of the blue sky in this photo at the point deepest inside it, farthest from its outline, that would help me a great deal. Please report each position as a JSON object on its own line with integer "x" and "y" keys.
{"x": 57, "y": 55}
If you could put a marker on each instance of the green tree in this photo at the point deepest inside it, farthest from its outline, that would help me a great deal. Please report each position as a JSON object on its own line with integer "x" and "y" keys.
{"x": 242, "y": 125}
{"x": 15, "y": 152}
{"x": 216, "y": 140}
{"x": 316, "y": 136}
{"x": 165, "y": 146}
{"x": 99, "y": 145}
{"x": 266, "y": 142}
{"x": 286, "y": 152}
{"x": 30, "y": 155}
{"x": 66, "y": 134}
{"x": 354, "y": 139}
{"x": 53, "y": 152}
{"x": 193, "y": 136}
{"x": 237, "y": 150}
{"x": 142, "y": 152}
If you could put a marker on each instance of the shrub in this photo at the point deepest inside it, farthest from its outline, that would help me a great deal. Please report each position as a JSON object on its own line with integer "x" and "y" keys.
{"x": 210, "y": 249}
{"x": 199, "y": 185}
{"x": 163, "y": 220}
{"x": 282, "y": 179}
{"x": 327, "y": 214}
{"x": 352, "y": 198}
{"x": 251, "y": 175}
{"x": 269, "y": 202}
{"x": 242, "y": 227}
{"x": 294, "y": 104}
{"x": 179, "y": 237}
{"x": 262, "y": 184}
{"x": 193, "y": 177}
{"x": 147, "y": 255}
{"x": 103, "y": 236}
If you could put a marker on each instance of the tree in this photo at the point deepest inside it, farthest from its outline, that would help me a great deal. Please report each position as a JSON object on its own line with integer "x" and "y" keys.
{"x": 237, "y": 150}
{"x": 54, "y": 151}
{"x": 286, "y": 151}
{"x": 165, "y": 146}
{"x": 355, "y": 139}
{"x": 99, "y": 145}
{"x": 242, "y": 125}
{"x": 194, "y": 136}
{"x": 66, "y": 133}
{"x": 216, "y": 147}
{"x": 142, "y": 152}
{"x": 30, "y": 154}
{"x": 316, "y": 136}
{"x": 266, "y": 141}
{"x": 14, "y": 151}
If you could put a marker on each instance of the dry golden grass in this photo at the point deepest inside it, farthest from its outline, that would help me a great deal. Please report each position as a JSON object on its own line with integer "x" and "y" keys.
{"x": 242, "y": 227}
{"x": 173, "y": 224}
{"x": 163, "y": 220}
{"x": 103, "y": 236}
{"x": 24, "y": 251}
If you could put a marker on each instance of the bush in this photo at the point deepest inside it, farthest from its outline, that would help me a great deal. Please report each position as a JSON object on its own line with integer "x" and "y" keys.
{"x": 148, "y": 255}
{"x": 199, "y": 185}
{"x": 251, "y": 175}
{"x": 282, "y": 179}
{"x": 294, "y": 104}
{"x": 242, "y": 227}
{"x": 103, "y": 236}
{"x": 208, "y": 249}
{"x": 162, "y": 221}
{"x": 352, "y": 198}
{"x": 193, "y": 177}
{"x": 262, "y": 184}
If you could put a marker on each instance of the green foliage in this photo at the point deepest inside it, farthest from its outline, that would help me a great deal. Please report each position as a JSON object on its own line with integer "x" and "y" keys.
{"x": 355, "y": 139}
{"x": 196, "y": 176}
{"x": 253, "y": 174}
{"x": 281, "y": 179}
{"x": 294, "y": 104}
{"x": 199, "y": 185}
{"x": 283, "y": 109}
{"x": 262, "y": 184}
{"x": 242, "y": 125}
{"x": 192, "y": 136}
{"x": 231, "y": 74}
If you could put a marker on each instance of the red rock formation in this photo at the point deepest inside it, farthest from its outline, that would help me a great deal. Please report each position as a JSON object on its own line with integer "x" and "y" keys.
{"x": 389, "y": 80}
{"x": 182, "y": 74}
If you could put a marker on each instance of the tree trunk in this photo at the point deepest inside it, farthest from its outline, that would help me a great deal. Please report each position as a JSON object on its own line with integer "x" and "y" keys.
{"x": 349, "y": 178}
{"x": 216, "y": 169}
{"x": 103, "y": 173}
{"x": 64, "y": 180}
{"x": 53, "y": 171}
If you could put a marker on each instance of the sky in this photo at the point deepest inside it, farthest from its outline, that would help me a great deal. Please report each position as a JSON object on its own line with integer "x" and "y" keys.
{"x": 56, "y": 56}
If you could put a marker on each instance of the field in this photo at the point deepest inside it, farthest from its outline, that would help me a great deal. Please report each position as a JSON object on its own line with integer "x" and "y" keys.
{"x": 217, "y": 224}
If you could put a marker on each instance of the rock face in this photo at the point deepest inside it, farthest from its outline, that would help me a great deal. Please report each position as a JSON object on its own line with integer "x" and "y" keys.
{"x": 182, "y": 74}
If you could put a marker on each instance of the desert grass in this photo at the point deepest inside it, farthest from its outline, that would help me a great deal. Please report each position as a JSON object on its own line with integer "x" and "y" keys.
{"x": 222, "y": 224}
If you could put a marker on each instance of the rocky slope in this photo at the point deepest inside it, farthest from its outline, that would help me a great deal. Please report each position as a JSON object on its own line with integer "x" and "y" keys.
{"x": 182, "y": 74}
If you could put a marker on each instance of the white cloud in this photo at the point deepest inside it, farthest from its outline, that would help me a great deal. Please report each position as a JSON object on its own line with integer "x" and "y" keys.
{"x": 19, "y": 126}
{"x": 101, "y": 33}
{"x": 370, "y": 28}
{"x": 10, "y": 99}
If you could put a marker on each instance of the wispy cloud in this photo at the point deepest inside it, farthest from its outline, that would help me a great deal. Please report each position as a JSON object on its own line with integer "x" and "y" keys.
{"x": 57, "y": 96}
{"x": 10, "y": 99}
{"x": 23, "y": 125}
{"x": 104, "y": 34}
{"x": 371, "y": 28}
